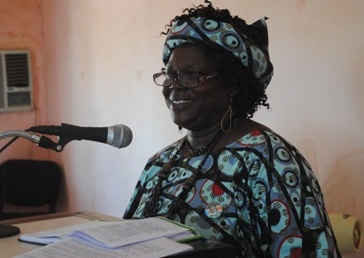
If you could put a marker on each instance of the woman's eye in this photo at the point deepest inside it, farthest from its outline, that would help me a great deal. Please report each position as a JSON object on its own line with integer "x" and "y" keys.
{"x": 193, "y": 75}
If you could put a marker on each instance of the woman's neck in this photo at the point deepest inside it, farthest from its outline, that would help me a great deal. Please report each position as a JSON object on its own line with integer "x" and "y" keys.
{"x": 198, "y": 139}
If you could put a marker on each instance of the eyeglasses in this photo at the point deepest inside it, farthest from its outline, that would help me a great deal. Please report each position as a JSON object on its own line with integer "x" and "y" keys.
{"x": 188, "y": 80}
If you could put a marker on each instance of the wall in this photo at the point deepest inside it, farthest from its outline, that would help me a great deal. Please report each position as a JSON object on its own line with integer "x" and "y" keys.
{"x": 17, "y": 32}
{"x": 99, "y": 57}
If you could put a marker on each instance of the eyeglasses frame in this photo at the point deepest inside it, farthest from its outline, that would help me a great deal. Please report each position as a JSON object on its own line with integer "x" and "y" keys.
{"x": 175, "y": 78}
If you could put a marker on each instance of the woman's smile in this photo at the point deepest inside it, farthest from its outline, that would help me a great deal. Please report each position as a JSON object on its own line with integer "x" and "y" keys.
{"x": 180, "y": 104}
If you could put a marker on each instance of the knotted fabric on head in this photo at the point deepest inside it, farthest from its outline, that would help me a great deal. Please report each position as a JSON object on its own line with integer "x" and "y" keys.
{"x": 223, "y": 35}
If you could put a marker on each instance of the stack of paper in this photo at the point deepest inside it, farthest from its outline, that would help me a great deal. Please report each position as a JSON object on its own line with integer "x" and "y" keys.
{"x": 151, "y": 237}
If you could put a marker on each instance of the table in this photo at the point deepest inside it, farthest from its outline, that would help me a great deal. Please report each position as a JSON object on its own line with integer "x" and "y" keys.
{"x": 11, "y": 247}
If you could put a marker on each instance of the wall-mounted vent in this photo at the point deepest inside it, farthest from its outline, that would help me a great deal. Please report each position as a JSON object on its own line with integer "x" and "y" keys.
{"x": 16, "y": 93}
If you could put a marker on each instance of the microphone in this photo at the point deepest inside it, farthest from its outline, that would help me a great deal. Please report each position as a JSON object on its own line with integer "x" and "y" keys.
{"x": 118, "y": 136}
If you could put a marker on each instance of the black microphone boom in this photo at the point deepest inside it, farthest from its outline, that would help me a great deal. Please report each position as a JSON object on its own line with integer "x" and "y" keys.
{"x": 118, "y": 136}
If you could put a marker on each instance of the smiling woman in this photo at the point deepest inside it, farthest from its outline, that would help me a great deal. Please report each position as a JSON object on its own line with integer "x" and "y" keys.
{"x": 195, "y": 108}
{"x": 231, "y": 178}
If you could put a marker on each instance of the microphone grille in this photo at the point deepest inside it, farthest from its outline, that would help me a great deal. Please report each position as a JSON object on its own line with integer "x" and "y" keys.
{"x": 122, "y": 136}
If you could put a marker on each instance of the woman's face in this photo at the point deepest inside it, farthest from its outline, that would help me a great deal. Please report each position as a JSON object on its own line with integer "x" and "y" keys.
{"x": 200, "y": 107}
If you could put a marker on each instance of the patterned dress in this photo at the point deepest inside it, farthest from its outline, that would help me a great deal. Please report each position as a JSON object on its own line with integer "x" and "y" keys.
{"x": 258, "y": 193}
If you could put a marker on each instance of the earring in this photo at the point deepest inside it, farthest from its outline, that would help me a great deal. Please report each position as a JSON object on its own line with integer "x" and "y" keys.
{"x": 180, "y": 129}
{"x": 228, "y": 115}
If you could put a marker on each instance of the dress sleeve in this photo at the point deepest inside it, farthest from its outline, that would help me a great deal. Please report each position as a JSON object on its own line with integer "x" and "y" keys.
{"x": 137, "y": 194}
{"x": 285, "y": 211}
{"x": 150, "y": 170}
{"x": 134, "y": 202}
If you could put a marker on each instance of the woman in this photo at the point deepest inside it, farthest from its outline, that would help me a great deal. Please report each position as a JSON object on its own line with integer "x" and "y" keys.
{"x": 231, "y": 178}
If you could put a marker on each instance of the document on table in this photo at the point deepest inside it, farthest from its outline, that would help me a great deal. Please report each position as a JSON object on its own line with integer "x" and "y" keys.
{"x": 115, "y": 234}
{"x": 76, "y": 248}
{"x": 150, "y": 237}
{"x": 134, "y": 231}
{"x": 46, "y": 237}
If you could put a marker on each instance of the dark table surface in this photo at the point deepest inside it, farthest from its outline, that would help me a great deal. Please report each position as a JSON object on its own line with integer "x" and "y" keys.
{"x": 209, "y": 249}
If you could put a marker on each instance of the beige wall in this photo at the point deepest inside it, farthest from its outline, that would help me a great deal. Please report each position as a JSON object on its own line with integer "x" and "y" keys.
{"x": 98, "y": 58}
{"x": 21, "y": 28}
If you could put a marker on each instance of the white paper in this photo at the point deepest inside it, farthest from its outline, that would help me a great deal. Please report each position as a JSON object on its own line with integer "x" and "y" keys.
{"x": 74, "y": 248}
{"x": 128, "y": 232}
{"x": 56, "y": 234}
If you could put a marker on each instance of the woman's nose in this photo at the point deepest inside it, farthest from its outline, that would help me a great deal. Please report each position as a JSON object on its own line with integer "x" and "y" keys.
{"x": 175, "y": 84}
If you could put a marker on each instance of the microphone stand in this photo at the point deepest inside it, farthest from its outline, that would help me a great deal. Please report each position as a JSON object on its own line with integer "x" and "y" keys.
{"x": 44, "y": 142}
{"x": 41, "y": 141}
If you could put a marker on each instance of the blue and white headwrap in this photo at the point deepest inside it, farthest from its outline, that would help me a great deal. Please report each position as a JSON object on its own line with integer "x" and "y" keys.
{"x": 210, "y": 32}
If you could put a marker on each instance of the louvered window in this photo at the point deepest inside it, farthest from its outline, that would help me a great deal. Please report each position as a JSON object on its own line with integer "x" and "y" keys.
{"x": 15, "y": 81}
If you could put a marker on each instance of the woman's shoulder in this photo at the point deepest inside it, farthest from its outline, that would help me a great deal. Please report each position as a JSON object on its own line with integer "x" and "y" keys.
{"x": 262, "y": 136}
{"x": 252, "y": 133}
{"x": 165, "y": 151}
{"x": 246, "y": 131}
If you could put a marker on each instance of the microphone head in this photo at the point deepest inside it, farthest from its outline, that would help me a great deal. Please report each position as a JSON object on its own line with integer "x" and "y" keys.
{"x": 119, "y": 136}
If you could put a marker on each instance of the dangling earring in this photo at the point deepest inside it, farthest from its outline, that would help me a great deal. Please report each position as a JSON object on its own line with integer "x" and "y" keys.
{"x": 180, "y": 129}
{"x": 228, "y": 115}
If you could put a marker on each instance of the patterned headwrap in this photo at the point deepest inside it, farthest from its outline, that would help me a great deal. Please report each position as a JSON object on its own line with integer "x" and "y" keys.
{"x": 210, "y": 32}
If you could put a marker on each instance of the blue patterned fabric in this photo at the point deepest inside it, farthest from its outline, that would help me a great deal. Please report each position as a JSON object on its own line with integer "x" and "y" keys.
{"x": 223, "y": 35}
{"x": 271, "y": 202}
